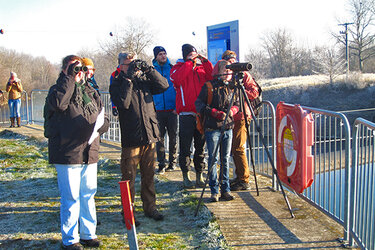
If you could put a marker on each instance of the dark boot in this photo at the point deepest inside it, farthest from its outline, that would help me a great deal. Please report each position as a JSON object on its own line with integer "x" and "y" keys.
{"x": 199, "y": 179}
{"x": 12, "y": 122}
{"x": 186, "y": 180}
{"x": 18, "y": 121}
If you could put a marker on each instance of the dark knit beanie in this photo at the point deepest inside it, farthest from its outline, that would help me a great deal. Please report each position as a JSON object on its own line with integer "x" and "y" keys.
{"x": 157, "y": 50}
{"x": 186, "y": 49}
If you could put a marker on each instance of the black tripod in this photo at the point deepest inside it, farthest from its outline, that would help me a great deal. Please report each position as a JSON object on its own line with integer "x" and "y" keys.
{"x": 240, "y": 91}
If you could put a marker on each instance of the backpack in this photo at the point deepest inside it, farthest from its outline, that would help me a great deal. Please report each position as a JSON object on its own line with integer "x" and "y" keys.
{"x": 256, "y": 104}
{"x": 199, "y": 117}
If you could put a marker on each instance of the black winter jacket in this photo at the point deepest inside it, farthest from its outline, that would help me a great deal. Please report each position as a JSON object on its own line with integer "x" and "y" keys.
{"x": 70, "y": 128}
{"x": 221, "y": 97}
{"x": 135, "y": 104}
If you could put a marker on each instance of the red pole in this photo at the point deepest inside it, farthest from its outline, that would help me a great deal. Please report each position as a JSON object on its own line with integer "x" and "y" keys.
{"x": 127, "y": 204}
{"x": 126, "y": 201}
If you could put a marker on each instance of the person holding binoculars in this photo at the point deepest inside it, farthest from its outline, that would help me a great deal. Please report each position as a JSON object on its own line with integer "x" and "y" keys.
{"x": 188, "y": 77}
{"x": 14, "y": 88}
{"x": 75, "y": 109}
{"x": 131, "y": 91}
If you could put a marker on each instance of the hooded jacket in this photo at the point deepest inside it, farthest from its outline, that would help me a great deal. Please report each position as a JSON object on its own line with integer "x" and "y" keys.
{"x": 167, "y": 99}
{"x": 133, "y": 99}
{"x": 71, "y": 125}
{"x": 188, "y": 80}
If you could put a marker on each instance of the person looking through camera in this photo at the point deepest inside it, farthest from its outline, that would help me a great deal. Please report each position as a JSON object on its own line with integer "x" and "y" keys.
{"x": 14, "y": 88}
{"x": 214, "y": 112}
{"x": 75, "y": 108}
{"x": 188, "y": 77}
{"x": 242, "y": 180}
{"x": 131, "y": 91}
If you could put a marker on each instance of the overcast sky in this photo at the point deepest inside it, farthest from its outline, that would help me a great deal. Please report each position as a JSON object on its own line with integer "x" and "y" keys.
{"x": 56, "y": 28}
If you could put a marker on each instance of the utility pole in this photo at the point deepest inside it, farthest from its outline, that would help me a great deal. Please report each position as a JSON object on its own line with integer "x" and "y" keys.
{"x": 346, "y": 47}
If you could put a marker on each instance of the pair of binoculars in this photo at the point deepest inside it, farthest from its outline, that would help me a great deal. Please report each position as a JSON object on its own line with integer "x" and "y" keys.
{"x": 77, "y": 69}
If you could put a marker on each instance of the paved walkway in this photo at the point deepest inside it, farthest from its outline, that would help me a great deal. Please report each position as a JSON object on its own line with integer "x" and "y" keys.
{"x": 251, "y": 221}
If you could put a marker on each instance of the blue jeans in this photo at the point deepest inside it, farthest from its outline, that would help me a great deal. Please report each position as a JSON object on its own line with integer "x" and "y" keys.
{"x": 14, "y": 107}
{"x": 212, "y": 139}
{"x": 77, "y": 186}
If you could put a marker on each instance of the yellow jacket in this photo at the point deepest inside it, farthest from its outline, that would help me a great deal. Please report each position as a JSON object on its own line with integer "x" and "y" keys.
{"x": 15, "y": 89}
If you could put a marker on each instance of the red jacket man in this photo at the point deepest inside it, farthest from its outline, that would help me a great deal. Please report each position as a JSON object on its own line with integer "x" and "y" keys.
{"x": 188, "y": 77}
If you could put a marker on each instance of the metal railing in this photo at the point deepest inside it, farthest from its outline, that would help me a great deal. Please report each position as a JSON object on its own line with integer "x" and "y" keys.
{"x": 362, "y": 201}
{"x": 113, "y": 133}
{"x": 331, "y": 150}
{"x": 266, "y": 121}
{"x": 38, "y": 97}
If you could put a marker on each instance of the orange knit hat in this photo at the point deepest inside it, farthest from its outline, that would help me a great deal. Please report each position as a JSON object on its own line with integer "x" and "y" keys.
{"x": 87, "y": 62}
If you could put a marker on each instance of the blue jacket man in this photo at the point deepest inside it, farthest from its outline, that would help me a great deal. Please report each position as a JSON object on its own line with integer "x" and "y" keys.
{"x": 165, "y": 105}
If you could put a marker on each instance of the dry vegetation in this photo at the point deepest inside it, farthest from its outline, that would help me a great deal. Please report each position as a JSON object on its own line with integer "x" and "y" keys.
{"x": 315, "y": 91}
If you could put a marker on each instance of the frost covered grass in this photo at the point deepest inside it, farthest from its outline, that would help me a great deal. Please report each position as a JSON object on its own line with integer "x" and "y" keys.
{"x": 356, "y": 80}
{"x": 29, "y": 206}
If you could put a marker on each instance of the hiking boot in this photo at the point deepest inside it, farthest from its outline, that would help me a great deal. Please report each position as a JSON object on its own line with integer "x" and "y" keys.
{"x": 18, "y": 121}
{"x": 170, "y": 168}
{"x": 186, "y": 180}
{"x": 214, "y": 197}
{"x": 90, "y": 243}
{"x": 199, "y": 180}
{"x": 75, "y": 246}
{"x": 156, "y": 215}
{"x": 234, "y": 181}
{"x": 161, "y": 170}
{"x": 227, "y": 196}
{"x": 12, "y": 122}
{"x": 241, "y": 185}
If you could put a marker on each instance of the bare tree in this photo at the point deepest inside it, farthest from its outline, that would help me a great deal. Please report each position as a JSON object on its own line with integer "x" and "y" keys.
{"x": 279, "y": 47}
{"x": 136, "y": 36}
{"x": 361, "y": 42}
{"x": 329, "y": 61}
{"x": 43, "y": 73}
{"x": 260, "y": 62}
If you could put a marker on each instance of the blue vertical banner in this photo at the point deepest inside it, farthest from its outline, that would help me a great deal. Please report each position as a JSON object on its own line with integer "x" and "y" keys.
{"x": 221, "y": 37}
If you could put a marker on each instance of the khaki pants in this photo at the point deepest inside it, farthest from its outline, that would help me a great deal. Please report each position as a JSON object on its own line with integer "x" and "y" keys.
{"x": 238, "y": 151}
{"x": 145, "y": 157}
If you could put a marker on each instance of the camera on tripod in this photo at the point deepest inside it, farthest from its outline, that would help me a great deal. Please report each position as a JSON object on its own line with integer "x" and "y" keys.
{"x": 237, "y": 67}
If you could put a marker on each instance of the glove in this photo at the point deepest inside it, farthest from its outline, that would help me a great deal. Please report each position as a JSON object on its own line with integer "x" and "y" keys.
{"x": 233, "y": 110}
{"x": 217, "y": 114}
{"x": 71, "y": 69}
{"x": 114, "y": 111}
{"x": 133, "y": 69}
{"x": 202, "y": 58}
{"x": 145, "y": 67}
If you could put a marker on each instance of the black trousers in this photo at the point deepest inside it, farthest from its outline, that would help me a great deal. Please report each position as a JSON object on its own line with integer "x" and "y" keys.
{"x": 188, "y": 132}
{"x": 168, "y": 124}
